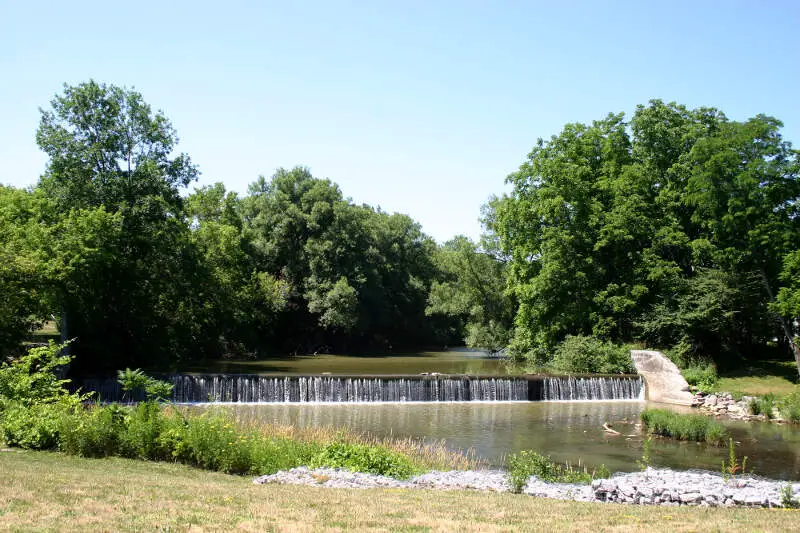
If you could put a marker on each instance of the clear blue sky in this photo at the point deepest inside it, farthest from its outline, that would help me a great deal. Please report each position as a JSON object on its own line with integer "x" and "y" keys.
{"x": 419, "y": 107}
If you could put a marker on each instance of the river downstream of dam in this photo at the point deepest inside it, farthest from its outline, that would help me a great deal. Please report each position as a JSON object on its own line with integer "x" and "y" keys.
{"x": 468, "y": 401}
{"x": 568, "y": 431}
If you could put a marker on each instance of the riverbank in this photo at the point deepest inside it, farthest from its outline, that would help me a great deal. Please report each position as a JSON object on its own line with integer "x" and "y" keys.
{"x": 50, "y": 491}
{"x": 650, "y": 487}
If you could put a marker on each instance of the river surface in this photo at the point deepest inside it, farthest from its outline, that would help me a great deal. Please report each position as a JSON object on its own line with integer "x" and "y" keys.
{"x": 456, "y": 361}
{"x": 568, "y": 431}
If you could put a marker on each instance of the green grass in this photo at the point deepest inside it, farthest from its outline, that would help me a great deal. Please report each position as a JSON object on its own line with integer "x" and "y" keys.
{"x": 43, "y": 491}
{"x": 758, "y": 378}
{"x": 697, "y": 428}
{"x": 48, "y": 328}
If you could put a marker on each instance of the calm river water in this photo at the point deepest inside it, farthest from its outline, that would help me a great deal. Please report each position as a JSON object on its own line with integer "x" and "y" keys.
{"x": 567, "y": 431}
{"x": 458, "y": 361}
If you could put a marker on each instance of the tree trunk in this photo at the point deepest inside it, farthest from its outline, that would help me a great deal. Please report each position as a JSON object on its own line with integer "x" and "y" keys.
{"x": 787, "y": 330}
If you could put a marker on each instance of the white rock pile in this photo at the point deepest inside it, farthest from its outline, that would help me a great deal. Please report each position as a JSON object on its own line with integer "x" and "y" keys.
{"x": 651, "y": 487}
{"x": 707, "y": 489}
{"x": 723, "y": 404}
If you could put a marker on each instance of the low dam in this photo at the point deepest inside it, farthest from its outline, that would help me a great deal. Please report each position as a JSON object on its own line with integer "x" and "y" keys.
{"x": 255, "y": 388}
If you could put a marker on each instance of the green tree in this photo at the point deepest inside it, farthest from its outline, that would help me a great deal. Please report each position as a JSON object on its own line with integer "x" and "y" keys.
{"x": 107, "y": 147}
{"x": 472, "y": 289}
{"x": 242, "y": 303}
{"x": 671, "y": 228}
{"x": 355, "y": 276}
{"x": 23, "y": 266}
{"x": 787, "y": 303}
{"x": 112, "y": 165}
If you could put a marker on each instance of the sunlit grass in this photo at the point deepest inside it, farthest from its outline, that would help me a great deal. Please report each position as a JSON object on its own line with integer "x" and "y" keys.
{"x": 761, "y": 377}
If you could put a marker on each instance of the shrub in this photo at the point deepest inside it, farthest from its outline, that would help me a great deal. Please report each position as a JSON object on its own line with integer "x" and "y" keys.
{"x": 33, "y": 400}
{"x": 523, "y": 465}
{"x": 790, "y": 407}
{"x": 141, "y": 438}
{"x": 363, "y": 458}
{"x": 679, "y": 426}
{"x": 763, "y": 405}
{"x": 32, "y": 378}
{"x": 585, "y": 355}
{"x": 210, "y": 441}
{"x": 270, "y": 455}
{"x": 137, "y": 382}
{"x": 36, "y": 426}
{"x": 95, "y": 432}
{"x": 701, "y": 373}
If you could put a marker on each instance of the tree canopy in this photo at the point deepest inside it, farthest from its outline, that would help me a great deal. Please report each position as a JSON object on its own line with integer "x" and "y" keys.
{"x": 671, "y": 228}
{"x": 677, "y": 228}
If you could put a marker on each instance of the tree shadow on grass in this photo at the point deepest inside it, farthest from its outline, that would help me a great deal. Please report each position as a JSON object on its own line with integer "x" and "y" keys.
{"x": 782, "y": 369}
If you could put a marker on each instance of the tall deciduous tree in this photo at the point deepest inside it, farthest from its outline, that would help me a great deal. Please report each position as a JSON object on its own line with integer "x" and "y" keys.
{"x": 357, "y": 277}
{"x": 108, "y": 151}
{"x": 671, "y": 228}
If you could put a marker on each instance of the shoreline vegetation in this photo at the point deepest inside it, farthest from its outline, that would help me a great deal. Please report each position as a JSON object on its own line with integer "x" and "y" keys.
{"x": 39, "y": 415}
{"x": 37, "y": 412}
{"x": 689, "y": 427}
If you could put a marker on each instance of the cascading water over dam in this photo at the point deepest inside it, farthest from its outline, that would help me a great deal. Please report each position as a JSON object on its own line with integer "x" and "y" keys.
{"x": 245, "y": 388}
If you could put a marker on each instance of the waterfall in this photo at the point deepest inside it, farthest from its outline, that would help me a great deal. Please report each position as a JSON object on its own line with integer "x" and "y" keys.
{"x": 309, "y": 389}
{"x": 575, "y": 388}
{"x": 243, "y": 388}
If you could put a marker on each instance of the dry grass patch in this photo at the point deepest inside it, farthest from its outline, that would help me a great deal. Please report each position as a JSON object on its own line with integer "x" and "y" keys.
{"x": 46, "y": 491}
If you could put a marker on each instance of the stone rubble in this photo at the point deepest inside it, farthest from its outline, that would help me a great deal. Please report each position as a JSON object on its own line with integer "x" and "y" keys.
{"x": 651, "y": 487}
{"x": 724, "y": 405}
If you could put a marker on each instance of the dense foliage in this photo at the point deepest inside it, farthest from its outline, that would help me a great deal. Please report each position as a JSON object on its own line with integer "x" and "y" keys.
{"x": 472, "y": 290}
{"x": 587, "y": 355}
{"x": 140, "y": 273}
{"x": 677, "y": 229}
{"x": 678, "y": 226}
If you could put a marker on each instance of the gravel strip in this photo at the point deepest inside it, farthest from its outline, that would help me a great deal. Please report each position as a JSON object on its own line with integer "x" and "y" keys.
{"x": 651, "y": 487}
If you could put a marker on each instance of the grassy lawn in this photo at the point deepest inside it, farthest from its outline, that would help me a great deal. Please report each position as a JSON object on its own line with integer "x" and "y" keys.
{"x": 761, "y": 377}
{"x": 48, "y": 332}
{"x": 48, "y": 491}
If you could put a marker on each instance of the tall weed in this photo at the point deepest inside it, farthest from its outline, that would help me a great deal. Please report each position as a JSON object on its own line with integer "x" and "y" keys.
{"x": 94, "y": 432}
{"x": 763, "y": 405}
{"x": 361, "y": 458}
{"x": 790, "y": 407}
{"x": 36, "y": 426}
{"x": 523, "y": 465}
{"x": 679, "y": 426}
